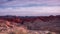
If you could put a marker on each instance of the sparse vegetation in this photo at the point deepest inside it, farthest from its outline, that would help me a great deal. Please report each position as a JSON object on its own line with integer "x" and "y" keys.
{"x": 27, "y": 26}
{"x": 11, "y": 32}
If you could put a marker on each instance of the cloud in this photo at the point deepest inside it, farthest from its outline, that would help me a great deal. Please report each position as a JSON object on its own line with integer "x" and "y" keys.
{"x": 30, "y": 11}
{"x": 29, "y": 7}
{"x": 4, "y": 1}
{"x": 29, "y": 3}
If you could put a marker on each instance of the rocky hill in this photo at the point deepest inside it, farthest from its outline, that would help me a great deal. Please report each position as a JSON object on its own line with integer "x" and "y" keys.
{"x": 49, "y": 23}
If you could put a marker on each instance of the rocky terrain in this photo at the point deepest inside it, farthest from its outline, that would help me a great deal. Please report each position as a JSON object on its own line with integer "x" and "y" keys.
{"x": 7, "y": 27}
{"x": 30, "y": 25}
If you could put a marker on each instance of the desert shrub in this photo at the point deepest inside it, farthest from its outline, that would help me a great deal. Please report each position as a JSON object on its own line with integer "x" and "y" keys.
{"x": 49, "y": 33}
{"x": 19, "y": 30}
{"x": 11, "y": 32}
{"x": 0, "y": 30}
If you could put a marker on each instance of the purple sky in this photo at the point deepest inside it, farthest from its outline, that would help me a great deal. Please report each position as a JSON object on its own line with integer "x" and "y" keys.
{"x": 29, "y": 7}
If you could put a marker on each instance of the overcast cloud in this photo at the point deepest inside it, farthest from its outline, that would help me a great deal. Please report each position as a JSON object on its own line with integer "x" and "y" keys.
{"x": 29, "y": 7}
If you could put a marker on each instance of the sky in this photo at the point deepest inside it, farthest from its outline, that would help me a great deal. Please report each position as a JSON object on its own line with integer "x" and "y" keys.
{"x": 29, "y": 7}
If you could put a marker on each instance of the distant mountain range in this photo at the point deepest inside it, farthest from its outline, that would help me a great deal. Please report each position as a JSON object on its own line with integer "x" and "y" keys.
{"x": 19, "y": 19}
